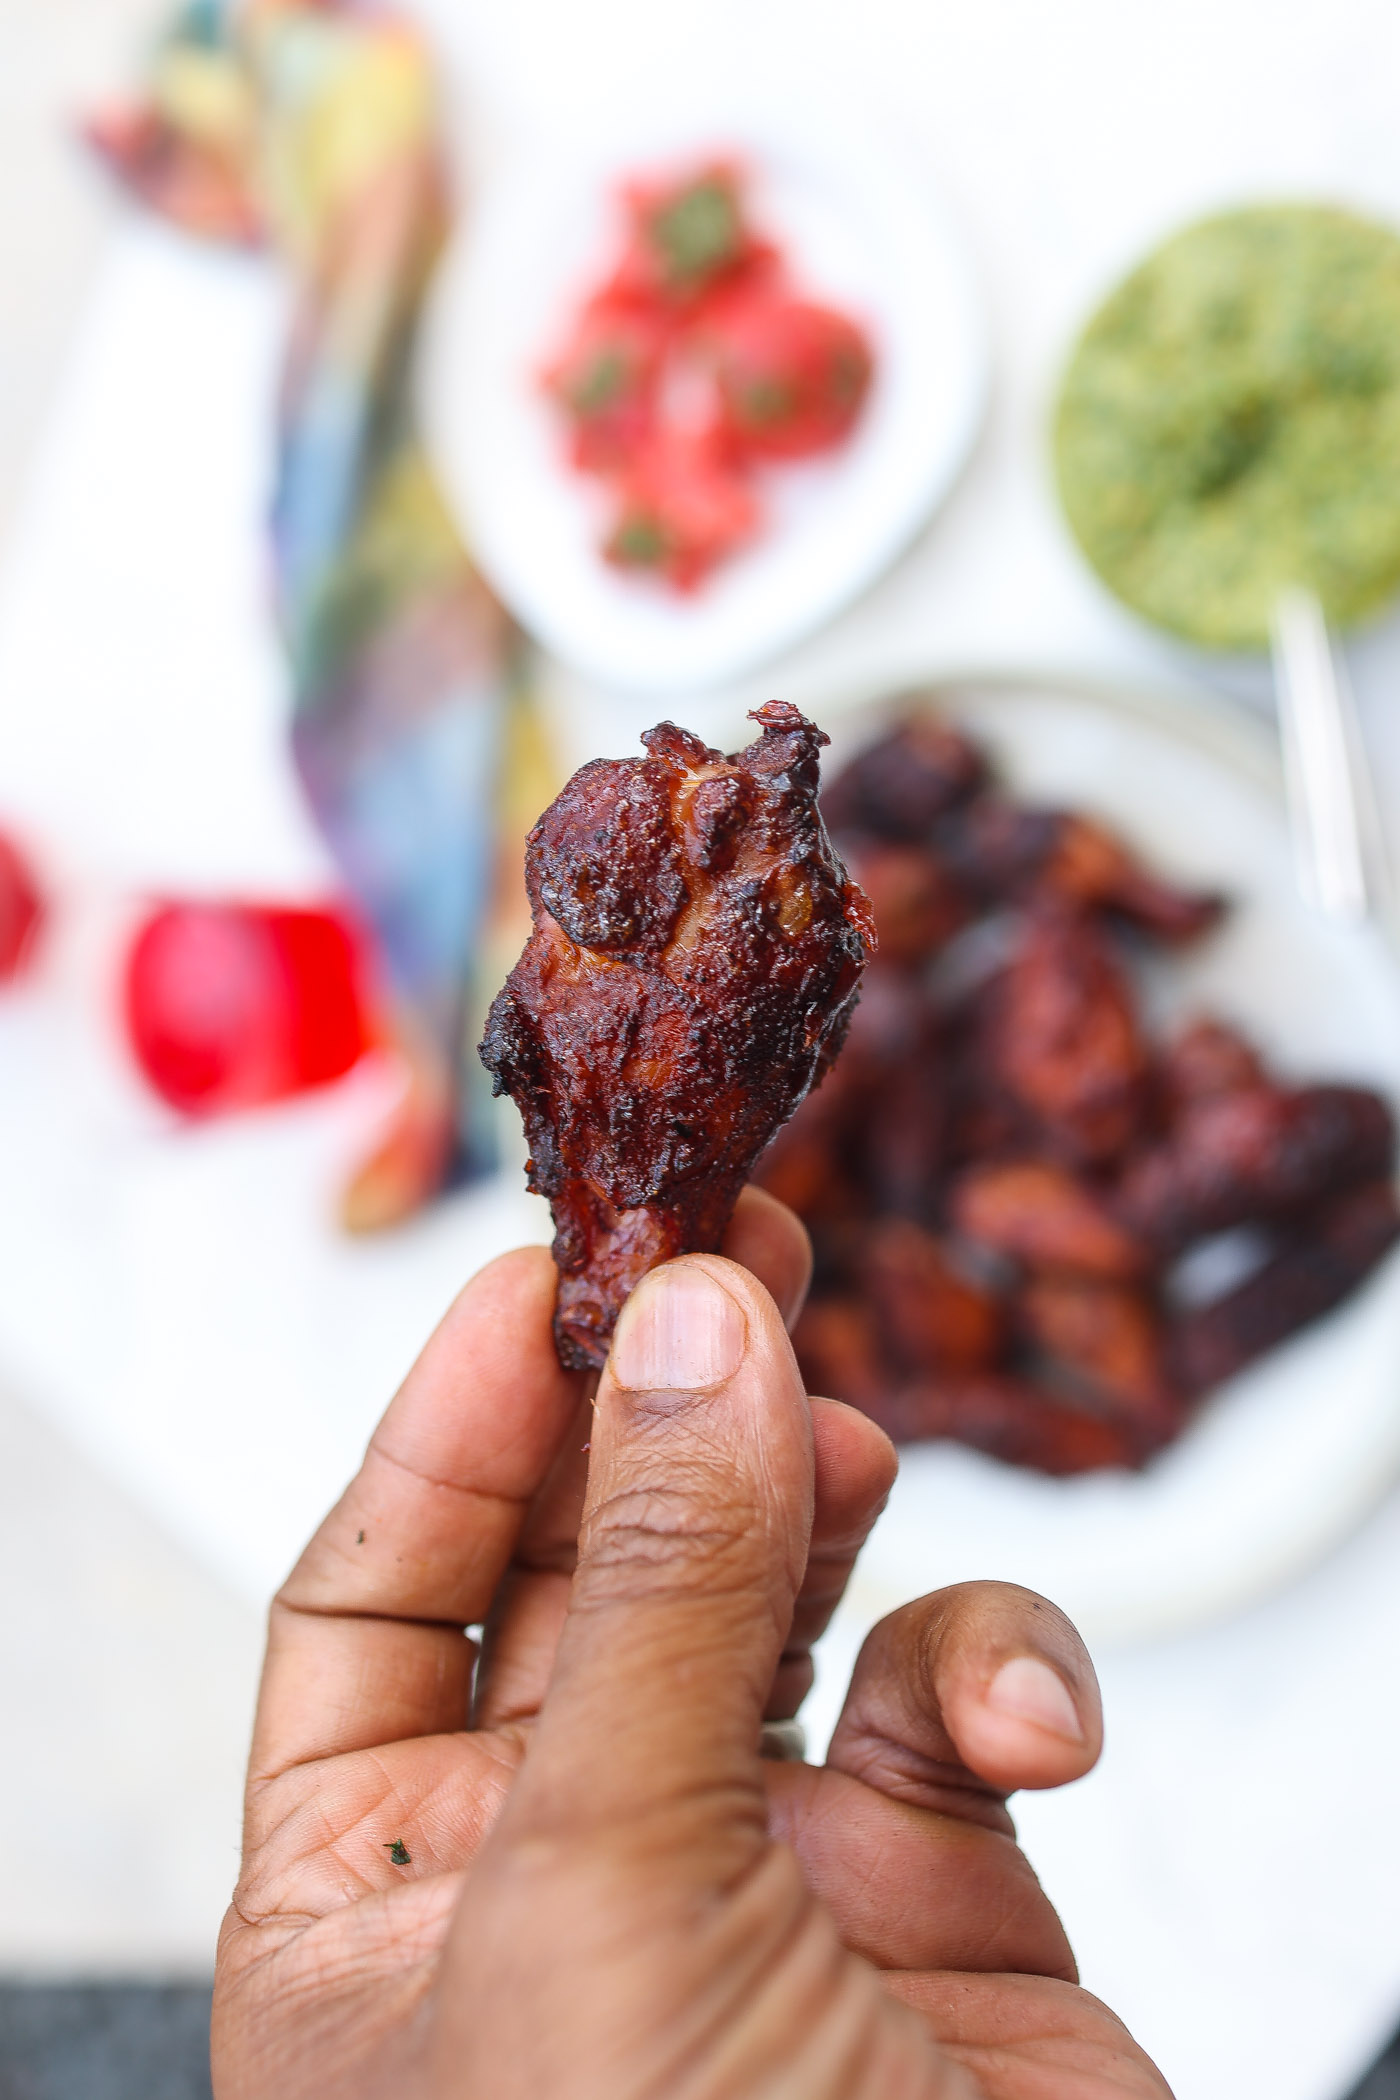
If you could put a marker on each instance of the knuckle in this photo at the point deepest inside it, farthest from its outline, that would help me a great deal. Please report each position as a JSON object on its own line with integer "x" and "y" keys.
{"x": 667, "y": 1539}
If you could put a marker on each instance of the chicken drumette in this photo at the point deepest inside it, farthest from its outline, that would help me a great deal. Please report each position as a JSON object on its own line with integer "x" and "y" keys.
{"x": 695, "y": 960}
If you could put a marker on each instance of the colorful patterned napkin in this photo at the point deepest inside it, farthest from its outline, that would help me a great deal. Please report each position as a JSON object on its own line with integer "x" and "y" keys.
{"x": 312, "y": 127}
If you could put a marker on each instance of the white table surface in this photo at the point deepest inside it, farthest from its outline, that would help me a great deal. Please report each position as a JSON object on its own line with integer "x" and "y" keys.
{"x": 1230, "y": 1874}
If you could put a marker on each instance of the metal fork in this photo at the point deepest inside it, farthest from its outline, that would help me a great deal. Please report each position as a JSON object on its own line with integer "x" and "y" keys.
{"x": 1338, "y": 841}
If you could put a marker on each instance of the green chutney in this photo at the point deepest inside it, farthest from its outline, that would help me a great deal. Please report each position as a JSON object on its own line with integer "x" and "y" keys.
{"x": 1230, "y": 424}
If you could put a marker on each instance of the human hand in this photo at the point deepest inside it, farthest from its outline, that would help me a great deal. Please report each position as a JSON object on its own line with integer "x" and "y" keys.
{"x": 579, "y": 1878}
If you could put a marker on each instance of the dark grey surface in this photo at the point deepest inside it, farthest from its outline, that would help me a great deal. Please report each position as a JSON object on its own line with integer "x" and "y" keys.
{"x": 1384, "y": 2082}
{"x": 151, "y": 2042}
{"x": 104, "y": 2042}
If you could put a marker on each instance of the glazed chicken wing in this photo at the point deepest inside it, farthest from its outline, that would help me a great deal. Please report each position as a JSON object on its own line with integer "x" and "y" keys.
{"x": 1320, "y": 1262}
{"x": 696, "y": 956}
{"x": 1042, "y": 1216}
{"x": 1205, "y": 1060}
{"x": 1258, "y": 1153}
{"x": 1006, "y": 851}
{"x": 933, "y": 1318}
{"x": 871, "y": 1137}
{"x": 1015, "y": 1420}
{"x": 1065, "y": 1041}
{"x": 899, "y": 786}
{"x": 918, "y": 905}
{"x": 1105, "y": 1342}
{"x": 1015, "y": 1194}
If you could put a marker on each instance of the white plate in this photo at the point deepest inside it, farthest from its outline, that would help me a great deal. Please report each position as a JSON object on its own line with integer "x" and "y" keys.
{"x": 862, "y": 229}
{"x": 1288, "y": 1457}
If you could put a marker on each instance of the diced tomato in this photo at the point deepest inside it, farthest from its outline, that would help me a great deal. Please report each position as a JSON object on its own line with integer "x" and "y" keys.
{"x": 692, "y": 365}
{"x": 793, "y": 376}
{"x": 21, "y": 908}
{"x": 230, "y": 1006}
{"x": 687, "y": 235}
{"x": 682, "y": 509}
{"x": 605, "y": 381}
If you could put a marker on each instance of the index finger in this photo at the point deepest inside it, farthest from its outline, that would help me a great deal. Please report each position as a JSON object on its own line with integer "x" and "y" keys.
{"x": 365, "y": 1644}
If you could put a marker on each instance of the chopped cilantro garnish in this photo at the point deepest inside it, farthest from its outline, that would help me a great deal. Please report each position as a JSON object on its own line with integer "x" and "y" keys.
{"x": 768, "y": 401}
{"x": 599, "y": 384}
{"x": 639, "y": 541}
{"x": 698, "y": 232}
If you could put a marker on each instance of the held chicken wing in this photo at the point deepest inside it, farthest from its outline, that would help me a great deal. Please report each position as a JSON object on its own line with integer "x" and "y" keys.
{"x": 696, "y": 956}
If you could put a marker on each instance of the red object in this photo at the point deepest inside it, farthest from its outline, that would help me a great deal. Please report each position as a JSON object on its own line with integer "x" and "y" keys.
{"x": 694, "y": 364}
{"x": 230, "y": 1006}
{"x": 682, "y": 509}
{"x": 685, "y": 236}
{"x": 21, "y": 908}
{"x": 606, "y": 380}
{"x": 792, "y": 376}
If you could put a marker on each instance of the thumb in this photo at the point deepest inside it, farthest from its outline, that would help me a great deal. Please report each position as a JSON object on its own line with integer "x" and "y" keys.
{"x": 691, "y": 1553}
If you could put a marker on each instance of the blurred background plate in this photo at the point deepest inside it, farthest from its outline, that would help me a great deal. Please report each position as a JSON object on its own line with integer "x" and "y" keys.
{"x": 1288, "y": 1458}
{"x": 862, "y": 228}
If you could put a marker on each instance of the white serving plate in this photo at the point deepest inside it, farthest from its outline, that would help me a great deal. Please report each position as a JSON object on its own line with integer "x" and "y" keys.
{"x": 861, "y": 227}
{"x": 1290, "y": 1456}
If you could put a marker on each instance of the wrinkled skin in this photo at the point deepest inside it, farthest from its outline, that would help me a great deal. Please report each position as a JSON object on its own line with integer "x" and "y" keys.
{"x": 696, "y": 957}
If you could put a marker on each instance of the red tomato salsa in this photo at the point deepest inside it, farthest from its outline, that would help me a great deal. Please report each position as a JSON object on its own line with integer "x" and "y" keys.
{"x": 695, "y": 365}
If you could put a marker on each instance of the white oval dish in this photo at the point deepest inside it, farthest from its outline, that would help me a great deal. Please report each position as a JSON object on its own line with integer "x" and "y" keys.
{"x": 861, "y": 227}
{"x": 1291, "y": 1455}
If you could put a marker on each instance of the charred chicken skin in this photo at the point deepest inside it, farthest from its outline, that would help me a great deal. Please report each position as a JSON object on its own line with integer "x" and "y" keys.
{"x": 696, "y": 957}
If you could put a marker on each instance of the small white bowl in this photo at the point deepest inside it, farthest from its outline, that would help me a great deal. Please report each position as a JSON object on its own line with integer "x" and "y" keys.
{"x": 861, "y": 228}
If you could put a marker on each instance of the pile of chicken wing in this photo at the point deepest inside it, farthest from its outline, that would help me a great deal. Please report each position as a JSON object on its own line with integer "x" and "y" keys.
{"x": 1038, "y": 1231}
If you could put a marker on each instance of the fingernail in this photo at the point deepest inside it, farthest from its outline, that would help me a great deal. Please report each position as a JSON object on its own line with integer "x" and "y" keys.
{"x": 680, "y": 1331}
{"x": 1032, "y": 1691}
